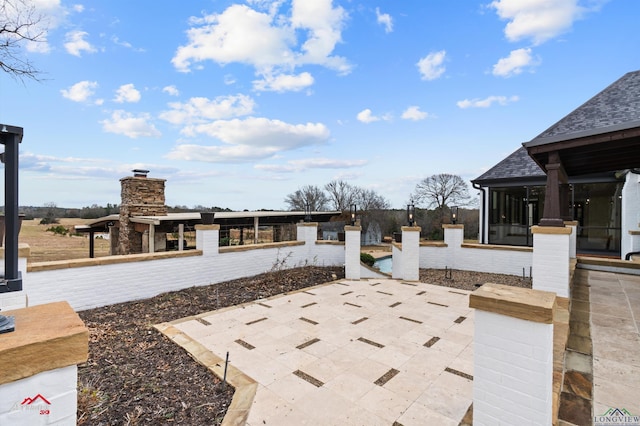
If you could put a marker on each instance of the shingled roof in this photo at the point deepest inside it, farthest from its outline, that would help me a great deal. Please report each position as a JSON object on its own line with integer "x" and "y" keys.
{"x": 516, "y": 168}
{"x": 615, "y": 108}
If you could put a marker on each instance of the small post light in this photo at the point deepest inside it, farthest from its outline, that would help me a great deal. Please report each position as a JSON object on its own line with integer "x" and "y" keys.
{"x": 352, "y": 212}
{"x": 454, "y": 214}
{"x": 307, "y": 212}
{"x": 411, "y": 212}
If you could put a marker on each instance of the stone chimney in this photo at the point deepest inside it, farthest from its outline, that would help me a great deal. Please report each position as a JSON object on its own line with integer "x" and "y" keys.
{"x": 141, "y": 196}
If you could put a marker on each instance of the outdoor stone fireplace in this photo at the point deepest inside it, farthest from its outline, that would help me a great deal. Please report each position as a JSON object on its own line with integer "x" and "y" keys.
{"x": 140, "y": 196}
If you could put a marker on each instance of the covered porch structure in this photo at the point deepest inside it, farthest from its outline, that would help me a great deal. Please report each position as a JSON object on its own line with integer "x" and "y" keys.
{"x": 157, "y": 227}
{"x": 602, "y": 135}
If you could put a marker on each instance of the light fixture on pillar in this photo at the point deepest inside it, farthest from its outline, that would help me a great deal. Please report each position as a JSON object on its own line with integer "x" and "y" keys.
{"x": 352, "y": 214}
{"x": 411, "y": 212}
{"x": 307, "y": 212}
{"x": 454, "y": 214}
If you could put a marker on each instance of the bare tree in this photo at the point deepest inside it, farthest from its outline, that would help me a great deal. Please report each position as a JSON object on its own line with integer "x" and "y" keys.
{"x": 307, "y": 195}
{"x": 341, "y": 194}
{"x": 368, "y": 199}
{"x": 19, "y": 25}
{"x": 442, "y": 190}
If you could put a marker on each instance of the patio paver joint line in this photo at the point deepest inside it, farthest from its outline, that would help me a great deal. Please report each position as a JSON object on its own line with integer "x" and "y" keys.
{"x": 371, "y": 342}
{"x": 304, "y": 376}
{"x": 256, "y": 321}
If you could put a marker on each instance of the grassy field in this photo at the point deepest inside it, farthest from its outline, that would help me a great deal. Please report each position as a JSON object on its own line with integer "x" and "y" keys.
{"x": 46, "y": 245}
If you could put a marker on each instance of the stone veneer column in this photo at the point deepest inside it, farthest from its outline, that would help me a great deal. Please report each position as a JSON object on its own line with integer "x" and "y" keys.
{"x": 38, "y": 365}
{"x": 140, "y": 196}
{"x": 513, "y": 355}
{"x": 573, "y": 237}
{"x": 16, "y": 299}
{"x": 208, "y": 239}
{"x": 551, "y": 259}
{"x": 352, "y": 252}
{"x": 410, "y": 263}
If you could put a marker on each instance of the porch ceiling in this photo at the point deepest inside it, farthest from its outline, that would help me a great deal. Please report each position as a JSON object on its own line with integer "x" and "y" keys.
{"x": 593, "y": 154}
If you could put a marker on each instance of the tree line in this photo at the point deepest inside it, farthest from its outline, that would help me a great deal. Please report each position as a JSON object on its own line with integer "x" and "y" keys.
{"x": 433, "y": 197}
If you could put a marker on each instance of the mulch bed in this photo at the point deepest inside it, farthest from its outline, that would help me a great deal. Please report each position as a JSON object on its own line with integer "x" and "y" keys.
{"x": 135, "y": 375}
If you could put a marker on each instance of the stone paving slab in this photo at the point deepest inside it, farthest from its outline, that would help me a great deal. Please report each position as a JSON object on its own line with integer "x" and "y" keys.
{"x": 369, "y": 352}
{"x": 615, "y": 327}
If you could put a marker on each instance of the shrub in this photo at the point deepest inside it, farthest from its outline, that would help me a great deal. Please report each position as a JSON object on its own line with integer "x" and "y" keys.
{"x": 367, "y": 259}
{"x": 58, "y": 229}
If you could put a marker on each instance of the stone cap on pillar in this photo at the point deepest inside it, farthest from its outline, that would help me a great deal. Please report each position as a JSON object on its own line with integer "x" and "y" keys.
{"x": 352, "y": 228}
{"x": 307, "y": 224}
{"x": 214, "y": 227}
{"x": 47, "y": 337}
{"x": 558, "y": 230}
{"x": 411, "y": 229}
{"x": 452, "y": 226}
{"x": 516, "y": 302}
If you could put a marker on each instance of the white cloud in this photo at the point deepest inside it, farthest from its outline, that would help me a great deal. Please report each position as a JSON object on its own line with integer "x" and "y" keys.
{"x": 414, "y": 113}
{"x": 311, "y": 163}
{"x": 272, "y": 43}
{"x": 249, "y": 139}
{"x": 127, "y": 93}
{"x": 201, "y": 110}
{"x": 366, "y": 116}
{"x": 78, "y": 8}
{"x": 284, "y": 82}
{"x": 537, "y": 20}
{"x": 514, "y": 63}
{"x": 384, "y": 19}
{"x": 133, "y": 126}
{"x": 323, "y": 24}
{"x": 50, "y": 14}
{"x": 487, "y": 102}
{"x": 171, "y": 90}
{"x": 81, "y": 91}
{"x": 431, "y": 65}
{"x": 76, "y": 44}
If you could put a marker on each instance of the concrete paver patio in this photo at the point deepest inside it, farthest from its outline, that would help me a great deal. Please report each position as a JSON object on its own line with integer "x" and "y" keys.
{"x": 368, "y": 352}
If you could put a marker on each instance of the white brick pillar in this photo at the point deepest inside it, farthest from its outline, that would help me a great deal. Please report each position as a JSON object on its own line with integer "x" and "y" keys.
{"x": 307, "y": 232}
{"x": 410, "y": 253}
{"x": 573, "y": 237}
{"x": 396, "y": 261}
{"x": 38, "y": 365}
{"x": 352, "y": 252}
{"x": 453, "y": 238}
{"x": 16, "y": 299}
{"x": 208, "y": 239}
{"x": 551, "y": 259}
{"x": 513, "y": 355}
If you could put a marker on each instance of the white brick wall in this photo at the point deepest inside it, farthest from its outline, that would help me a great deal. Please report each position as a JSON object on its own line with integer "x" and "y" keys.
{"x": 57, "y": 386}
{"x": 513, "y": 371}
{"x": 551, "y": 263}
{"x": 14, "y": 299}
{"x": 492, "y": 260}
{"x": 93, "y": 286}
{"x": 630, "y": 214}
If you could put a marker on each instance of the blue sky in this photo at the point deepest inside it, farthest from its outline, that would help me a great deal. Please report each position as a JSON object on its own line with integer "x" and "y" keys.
{"x": 239, "y": 103}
